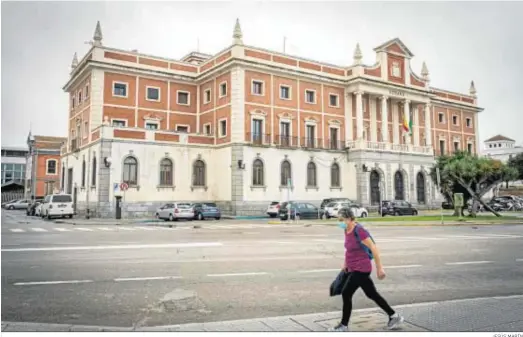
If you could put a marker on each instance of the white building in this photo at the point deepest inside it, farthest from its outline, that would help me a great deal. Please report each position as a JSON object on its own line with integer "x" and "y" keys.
{"x": 501, "y": 148}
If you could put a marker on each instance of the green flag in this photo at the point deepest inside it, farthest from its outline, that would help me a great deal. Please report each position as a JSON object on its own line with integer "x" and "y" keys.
{"x": 410, "y": 125}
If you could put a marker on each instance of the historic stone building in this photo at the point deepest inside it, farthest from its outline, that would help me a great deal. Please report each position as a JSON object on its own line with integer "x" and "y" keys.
{"x": 247, "y": 126}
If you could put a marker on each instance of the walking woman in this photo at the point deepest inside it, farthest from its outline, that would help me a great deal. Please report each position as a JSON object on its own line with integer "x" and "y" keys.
{"x": 358, "y": 244}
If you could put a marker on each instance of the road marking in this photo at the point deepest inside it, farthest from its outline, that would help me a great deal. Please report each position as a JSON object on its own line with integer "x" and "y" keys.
{"x": 519, "y": 260}
{"x": 17, "y": 230}
{"x": 506, "y": 235}
{"x": 419, "y": 238}
{"x": 281, "y": 242}
{"x": 468, "y": 237}
{"x": 318, "y": 271}
{"x": 330, "y": 241}
{"x": 104, "y": 228}
{"x": 62, "y": 229}
{"x": 38, "y": 229}
{"x": 83, "y": 229}
{"x": 183, "y": 228}
{"x": 52, "y": 282}
{"x": 405, "y": 266}
{"x": 116, "y": 247}
{"x": 467, "y": 262}
{"x": 146, "y": 228}
{"x": 237, "y": 274}
{"x": 126, "y": 228}
{"x": 124, "y": 279}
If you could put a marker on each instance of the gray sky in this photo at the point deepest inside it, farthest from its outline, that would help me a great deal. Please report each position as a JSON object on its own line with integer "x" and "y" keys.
{"x": 460, "y": 42}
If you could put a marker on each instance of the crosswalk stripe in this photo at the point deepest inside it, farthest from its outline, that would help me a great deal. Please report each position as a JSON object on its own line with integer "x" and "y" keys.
{"x": 37, "y": 229}
{"x": 62, "y": 229}
{"x": 83, "y": 229}
{"x": 126, "y": 228}
{"x": 104, "y": 228}
{"x": 146, "y": 228}
{"x": 17, "y": 230}
{"x": 183, "y": 228}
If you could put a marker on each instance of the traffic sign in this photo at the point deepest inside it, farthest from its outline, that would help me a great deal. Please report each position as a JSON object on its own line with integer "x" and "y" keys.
{"x": 124, "y": 186}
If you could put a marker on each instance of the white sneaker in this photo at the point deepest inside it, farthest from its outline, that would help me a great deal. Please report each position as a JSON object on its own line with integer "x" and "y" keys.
{"x": 339, "y": 328}
{"x": 395, "y": 321}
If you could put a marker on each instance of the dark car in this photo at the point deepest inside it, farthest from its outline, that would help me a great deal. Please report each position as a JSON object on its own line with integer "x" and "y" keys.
{"x": 302, "y": 210}
{"x": 325, "y": 202}
{"x": 397, "y": 207}
{"x": 204, "y": 210}
{"x": 447, "y": 205}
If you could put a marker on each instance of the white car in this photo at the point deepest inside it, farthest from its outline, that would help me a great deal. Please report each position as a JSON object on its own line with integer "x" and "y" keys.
{"x": 175, "y": 211}
{"x": 57, "y": 205}
{"x": 331, "y": 210}
{"x": 274, "y": 209}
{"x": 38, "y": 210}
{"x": 157, "y": 213}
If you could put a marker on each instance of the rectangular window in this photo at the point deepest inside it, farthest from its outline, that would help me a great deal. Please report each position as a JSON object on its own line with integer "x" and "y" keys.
{"x": 442, "y": 147}
{"x": 310, "y": 96}
{"x": 333, "y": 100}
{"x": 469, "y": 148}
{"x": 310, "y": 135}
{"x": 469, "y": 122}
{"x": 455, "y": 120}
{"x": 257, "y": 87}
{"x": 207, "y": 129}
{"x": 456, "y": 146}
{"x": 333, "y": 138}
{"x": 119, "y": 123}
{"x": 285, "y": 92}
{"x": 151, "y": 125}
{"x": 207, "y": 96}
{"x": 120, "y": 89}
{"x": 51, "y": 167}
{"x": 285, "y": 133}
{"x": 72, "y": 102}
{"x": 223, "y": 89}
{"x": 223, "y": 128}
{"x": 257, "y": 131}
{"x": 182, "y": 128}
{"x": 441, "y": 118}
{"x": 183, "y": 98}
{"x": 86, "y": 129}
{"x": 86, "y": 91}
{"x": 153, "y": 94}
{"x": 79, "y": 97}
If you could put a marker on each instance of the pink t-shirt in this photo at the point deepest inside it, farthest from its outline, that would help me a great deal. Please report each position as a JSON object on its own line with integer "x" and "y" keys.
{"x": 356, "y": 258}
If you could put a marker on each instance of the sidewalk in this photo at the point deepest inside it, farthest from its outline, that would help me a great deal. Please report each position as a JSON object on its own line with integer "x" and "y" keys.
{"x": 492, "y": 314}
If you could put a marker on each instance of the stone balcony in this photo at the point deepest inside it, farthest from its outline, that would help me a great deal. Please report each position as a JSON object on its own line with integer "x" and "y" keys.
{"x": 363, "y": 145}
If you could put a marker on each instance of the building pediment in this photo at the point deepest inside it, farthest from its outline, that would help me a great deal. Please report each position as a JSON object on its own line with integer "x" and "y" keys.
{"x": 394, "y": 46}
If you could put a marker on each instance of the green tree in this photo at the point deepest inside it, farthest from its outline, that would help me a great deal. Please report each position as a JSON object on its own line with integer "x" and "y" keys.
{"x": 516, "y": 163}
{"x": 471, "y": 175}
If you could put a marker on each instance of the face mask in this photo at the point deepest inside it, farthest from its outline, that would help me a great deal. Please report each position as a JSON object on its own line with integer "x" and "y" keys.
{"x": 342, "y": 225}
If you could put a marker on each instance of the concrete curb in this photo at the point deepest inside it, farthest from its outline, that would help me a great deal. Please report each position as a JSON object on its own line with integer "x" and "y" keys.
{"x": 416, "y": 224}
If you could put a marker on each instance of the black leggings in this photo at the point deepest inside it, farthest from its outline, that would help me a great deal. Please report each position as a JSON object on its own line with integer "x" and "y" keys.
{"x": 355, "y": 280}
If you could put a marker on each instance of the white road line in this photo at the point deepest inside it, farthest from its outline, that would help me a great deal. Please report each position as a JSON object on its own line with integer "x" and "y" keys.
{"x": 506, "y": 235}
{"x": 62, "y": 229}
{"x": 146, "y": 228}
{"x": 124, "y": 279}
{"x": 318, "y": 271}
{"x": 421, "y": 238}
{"x": 237, "y": 274}
{"x": 38, "y": 229}
{"x": 282, "y": 242}
{"x": 104, "y": 228}
{"x": 330, "y": 241}
{"x": 83, "y": 229}
{"x": 405, "y": 266}
{"x": 261, "y": 226}
{"x": 467, "y": 262}
{"x": 52, "y": 282}
{"x": 468, "y": 237}
{"x": 519, "y": 260}
{"x": 183, "y": 228}
{"x": 170, "y": 245}
{"x": 17, "y": 230}
{"x": 126, "y": 228}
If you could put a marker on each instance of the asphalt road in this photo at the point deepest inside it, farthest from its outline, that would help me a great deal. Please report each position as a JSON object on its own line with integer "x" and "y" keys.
{"x": 146, "y": 276}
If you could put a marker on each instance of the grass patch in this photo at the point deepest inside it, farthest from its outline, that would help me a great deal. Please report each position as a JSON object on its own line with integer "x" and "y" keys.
{"x": 438, "y": 218}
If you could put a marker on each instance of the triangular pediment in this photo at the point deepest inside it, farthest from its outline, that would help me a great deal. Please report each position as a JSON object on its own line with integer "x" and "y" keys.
{"x": 395, "y": 46}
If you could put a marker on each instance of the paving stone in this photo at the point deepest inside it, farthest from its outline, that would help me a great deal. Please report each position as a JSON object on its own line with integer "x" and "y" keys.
{"x": 245, "y": 326}
{"x": 284, "y": 325}
{"x": 37, "y": 327}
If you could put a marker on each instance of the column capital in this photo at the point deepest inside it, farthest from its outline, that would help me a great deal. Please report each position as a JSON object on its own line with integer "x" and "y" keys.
{"x": 360, "y": 92}
{"x": 384, "y": 98}
{"x": 407, "y": 101}
{"x": 428, "y": 105}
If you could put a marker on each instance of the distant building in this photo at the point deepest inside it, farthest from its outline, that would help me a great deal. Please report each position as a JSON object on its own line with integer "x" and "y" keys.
{"x": 501, "y": 148}
{"x": 43, "y": 165}
{"x": 13, "y": 164}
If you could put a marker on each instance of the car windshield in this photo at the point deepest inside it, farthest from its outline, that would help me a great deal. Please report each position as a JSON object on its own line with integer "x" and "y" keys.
{"x": 274, "y": 203}
{"x": 62, "y": 198}
{"x": 184, "y": 205}
{"x": 331, "y": 204}
{"x": 210, "y": 204}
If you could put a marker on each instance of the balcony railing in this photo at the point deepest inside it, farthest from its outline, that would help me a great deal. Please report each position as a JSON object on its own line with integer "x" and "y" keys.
{"x": 333, "y": 144}
{"x": 379, "y": 146}
{"x": 259, "y": 139}
{"x": 285, "y": 141}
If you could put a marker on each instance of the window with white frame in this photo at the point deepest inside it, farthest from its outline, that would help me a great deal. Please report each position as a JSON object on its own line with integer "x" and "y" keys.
{"x": 334, "y": 100}
{"x": 119, "y": 123}
{"x": 153, "y": 94}
{"x": 223, "y": 128}
{"x": 441, "y": 117}
{"x": 119, "y": 89}
{"x": 285, "y": 133}
{"x": 207, "y": 129}
{"x": 183, "y": 98}
{"x": 310, "y": 132}
{"x": 285, "y": 92}
{"x": 455, "y": 120}
{"x": 310, "y": 96}
{"x": 257, "y": 87}
{"x": 257, "y": 130}
{"x": 207, "y": 96}
{"x": 442, "y": 147}
{"x": 223, "y": 89}
{"x": 456, "y": 146}
{"x": 151, "y": 125}
{"x": 333, "y": 141}
{"x": 51, "y": 167}
{"x": 182, "y": 128}
{"x": 469, "y": 122}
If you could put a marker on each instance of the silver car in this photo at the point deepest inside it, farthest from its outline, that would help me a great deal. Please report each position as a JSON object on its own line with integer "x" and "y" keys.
{"x": 19, "y": 204}
{"x": 175, "y": 211}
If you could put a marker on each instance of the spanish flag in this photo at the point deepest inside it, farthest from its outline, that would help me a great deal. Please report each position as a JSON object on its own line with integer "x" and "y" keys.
{"x": 406, "y": 124}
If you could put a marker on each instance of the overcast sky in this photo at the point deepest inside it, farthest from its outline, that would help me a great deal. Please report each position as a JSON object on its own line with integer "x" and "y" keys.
{"x": 460, "y": 42}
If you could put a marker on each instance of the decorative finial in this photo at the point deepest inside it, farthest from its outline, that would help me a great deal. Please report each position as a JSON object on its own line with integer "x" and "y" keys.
{"x": 74, "y": 63}
{"x": 472, "y": 89}
{"x": 97, "y": 37}
{"x": 237, "y": 35}
{"x": 425, "y": 71}
{"x": 357, "y": 54}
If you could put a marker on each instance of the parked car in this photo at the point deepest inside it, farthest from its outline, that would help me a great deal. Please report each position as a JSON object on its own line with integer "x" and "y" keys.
{"x": 301, "y": 210}
{"x": 447, "y": 205}
{"x": 57, "y": 205}
{"x": 18, "y": 204}
{"x": 38, "y": 210}
{"x": 397, "y": 207}
{"x": 325, "y": 202}
{"x": 31, "y": 209}
{"x": 4, "y": 204}
{"x": 273, "y": 209}
{"x": 175, "y": 211}
{"x": 359, "y": 211}
{"x": 206, "y": 210}
{"x": 331, "y": 209}
{"x": 157, "y": 213}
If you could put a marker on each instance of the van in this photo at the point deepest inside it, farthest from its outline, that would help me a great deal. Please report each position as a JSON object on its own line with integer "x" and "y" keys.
{"x": 57, "y": 205}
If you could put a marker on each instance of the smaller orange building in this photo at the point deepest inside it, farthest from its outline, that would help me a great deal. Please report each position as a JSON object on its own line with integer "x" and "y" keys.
{"x": 43, "y": 165}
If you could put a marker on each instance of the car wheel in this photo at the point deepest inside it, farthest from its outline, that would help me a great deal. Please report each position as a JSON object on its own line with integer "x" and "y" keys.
{"x": 364, "y": 215}
{"x": 171, "y": 218}
{"x": 397, "y": 213}
{"x": 414, "y": 212}
{"x": 48, "y": 216}
{"x": 272, "y": 215}
{"x": 218, "y": 218}
{"x": 11, "y": 208}
{"x": 200, "y": 216}
{"x": 157, "y": 216}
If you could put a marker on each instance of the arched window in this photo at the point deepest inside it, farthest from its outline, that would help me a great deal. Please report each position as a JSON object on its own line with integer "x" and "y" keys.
{"x": 83, "y": 172}
{"x": 130, "y": 171}
{"x": 335, "y": 175}
{"x": 375, "y": 193}
{"x": 286, "y": 173}
{"x": 257, "y": 173}
{"x": 311, "y": 174}
{"x": 420, "y": 187}
{"x": 399, "y": 191}
{"x": 166, "y": 172}
{"x": 198, "y": 173}
{"x": 93, "y": 172}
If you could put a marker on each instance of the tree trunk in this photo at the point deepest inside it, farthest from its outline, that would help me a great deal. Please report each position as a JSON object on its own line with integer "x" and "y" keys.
{"x": 478, "y": 198}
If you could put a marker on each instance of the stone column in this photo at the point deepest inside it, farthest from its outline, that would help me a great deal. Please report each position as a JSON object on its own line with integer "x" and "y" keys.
{"x": 428, "y": 127}
{"x": 415, "y": 116}
{"x": 384, "y": 120}
{"x": 359, "y": 115}
{"x": 406, "y": 118}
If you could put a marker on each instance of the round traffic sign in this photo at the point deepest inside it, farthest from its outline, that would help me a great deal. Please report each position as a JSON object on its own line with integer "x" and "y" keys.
{"x": 124, "y": 186}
